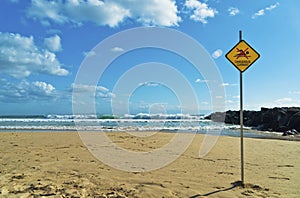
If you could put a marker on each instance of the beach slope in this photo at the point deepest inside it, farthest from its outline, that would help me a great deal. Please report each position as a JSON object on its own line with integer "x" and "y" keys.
{"x": 57, "y": 164}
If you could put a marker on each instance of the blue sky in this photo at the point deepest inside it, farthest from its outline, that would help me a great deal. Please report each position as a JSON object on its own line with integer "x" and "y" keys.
{"x": 43, "y": 43}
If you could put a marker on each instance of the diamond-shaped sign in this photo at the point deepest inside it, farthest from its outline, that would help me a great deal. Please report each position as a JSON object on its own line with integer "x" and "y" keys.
{"x": 242, "y": 55}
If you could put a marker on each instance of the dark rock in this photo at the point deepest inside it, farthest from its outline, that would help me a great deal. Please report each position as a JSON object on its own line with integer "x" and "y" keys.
{"x": 252, "y": 118}
{"x": 294, "y": 122}
{"x": 232, "y": 117}
{"x": 216, "y": 117}
{"x": 276, "y": 119}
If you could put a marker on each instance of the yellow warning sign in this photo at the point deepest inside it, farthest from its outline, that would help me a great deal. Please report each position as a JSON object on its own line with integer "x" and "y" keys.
{"x": 242, "y": 55}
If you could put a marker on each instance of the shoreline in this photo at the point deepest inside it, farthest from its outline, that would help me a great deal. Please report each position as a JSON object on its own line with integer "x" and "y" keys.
{"x": 268, "y": 135}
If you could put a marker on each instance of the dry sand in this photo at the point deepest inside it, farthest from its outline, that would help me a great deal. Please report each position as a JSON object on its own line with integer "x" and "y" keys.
{"x": 57, "y": 164}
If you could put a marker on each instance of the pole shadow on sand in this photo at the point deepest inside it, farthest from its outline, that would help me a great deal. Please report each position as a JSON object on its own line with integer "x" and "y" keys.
{"x": 234, "y": 185}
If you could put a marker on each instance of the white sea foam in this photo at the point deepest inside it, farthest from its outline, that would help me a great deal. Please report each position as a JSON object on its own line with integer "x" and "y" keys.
{"x": 138, "y": 122}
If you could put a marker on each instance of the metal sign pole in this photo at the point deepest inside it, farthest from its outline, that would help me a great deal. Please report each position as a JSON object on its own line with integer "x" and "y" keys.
{"x": 242, "y": 56}
{"x": 241, "y": 122}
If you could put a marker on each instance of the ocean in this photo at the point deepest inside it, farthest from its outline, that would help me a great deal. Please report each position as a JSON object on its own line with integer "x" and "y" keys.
{"x": 173, "y": 123}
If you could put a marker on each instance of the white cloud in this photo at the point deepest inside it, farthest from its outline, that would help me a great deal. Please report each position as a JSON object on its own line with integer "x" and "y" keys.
{"x": 272, "y": 7}
{"x": 87, "y": 88}
{"x": 19, "y": 57}
{"x": 233, "y": 11}
{"x": 227, "y": 84}
{"x": 47, "y": 88}
{"x": 281, "y": 102}
{"x": 216, "y": 54}
{"x": 89, "y": 54}
{"x": 200, "y": 11}
{"x": 258, "y": 13}
{"x": 153, "y": 12}
{"x": 229, "y": 102}
{"x": 150, "y": 84}
{"x": 53, "y": 43}
{"x": 198, "y": 80}
{"x": 262, "y": 11}
{"x": 117, "y": 49}
{"x": 100, "y": 91}
{"x": 111, "y": 13}
{"x": 287, "y": 102}
{"x": 106, "y": 95}
{"x": 25, "y": 91}
{"x": 42, "y": 10}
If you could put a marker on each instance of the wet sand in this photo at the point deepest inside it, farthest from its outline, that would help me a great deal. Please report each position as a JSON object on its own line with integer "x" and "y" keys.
{"x": 57, "y": 164}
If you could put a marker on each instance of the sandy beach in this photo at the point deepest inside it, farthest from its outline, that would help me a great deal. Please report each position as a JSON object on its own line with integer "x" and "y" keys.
{"x": 57, "y": 164}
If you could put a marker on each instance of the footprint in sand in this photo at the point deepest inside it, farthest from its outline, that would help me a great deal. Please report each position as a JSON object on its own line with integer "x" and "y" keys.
{"x": 224, "y": 173}
{"x": 282, "y": 178}
{"x": 18, "y": 176}
{"x": 286, "y": 165}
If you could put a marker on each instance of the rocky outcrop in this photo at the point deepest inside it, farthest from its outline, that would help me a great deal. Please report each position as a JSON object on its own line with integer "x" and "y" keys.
{"x": 284, "y": 119}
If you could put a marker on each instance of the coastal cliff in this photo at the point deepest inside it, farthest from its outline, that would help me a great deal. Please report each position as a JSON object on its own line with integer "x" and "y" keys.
{"x": 280, "y": 119}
